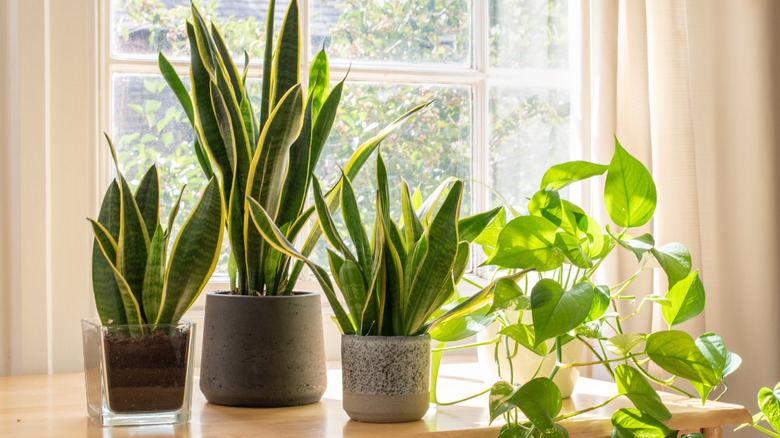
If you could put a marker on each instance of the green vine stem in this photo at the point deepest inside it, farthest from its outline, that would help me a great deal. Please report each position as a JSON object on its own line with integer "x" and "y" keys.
{"x": 588, "y": 409}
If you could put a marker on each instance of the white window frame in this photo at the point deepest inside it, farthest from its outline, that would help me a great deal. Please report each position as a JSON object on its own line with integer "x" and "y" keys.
{"x": 56, "y": 77}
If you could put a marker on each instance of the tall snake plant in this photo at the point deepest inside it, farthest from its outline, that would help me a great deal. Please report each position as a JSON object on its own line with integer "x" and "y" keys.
{"x": 133, "y": 279}
{"x": 270, "y": 157}
{"x": 393, "y": 282}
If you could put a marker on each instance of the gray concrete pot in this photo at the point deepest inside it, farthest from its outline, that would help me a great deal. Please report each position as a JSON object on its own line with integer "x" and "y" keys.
{"x": 386, "y": 378}
{"x": 263, "y": 351}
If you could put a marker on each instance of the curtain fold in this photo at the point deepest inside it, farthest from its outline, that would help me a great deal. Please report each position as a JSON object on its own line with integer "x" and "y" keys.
{"x": 687, "y": 87}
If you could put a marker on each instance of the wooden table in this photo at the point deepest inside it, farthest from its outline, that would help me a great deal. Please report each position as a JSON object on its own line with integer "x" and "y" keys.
{"x": 55, "y": 406}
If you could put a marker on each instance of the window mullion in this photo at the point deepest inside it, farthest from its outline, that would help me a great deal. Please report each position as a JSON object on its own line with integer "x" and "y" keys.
{"x": 480, "y": 161}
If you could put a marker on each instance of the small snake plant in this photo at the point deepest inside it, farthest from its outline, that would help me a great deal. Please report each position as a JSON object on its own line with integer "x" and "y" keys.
{"x": 133, "y": 280}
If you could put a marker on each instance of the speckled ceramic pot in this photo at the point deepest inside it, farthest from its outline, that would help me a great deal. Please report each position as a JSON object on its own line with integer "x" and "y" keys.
{"x": 386, "y": 378}
{"x": 263, "y": 351}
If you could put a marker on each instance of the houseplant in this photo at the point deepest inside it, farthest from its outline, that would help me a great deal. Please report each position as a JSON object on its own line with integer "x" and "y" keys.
{"x": 392, "y": 283}
{"x": 769, "y": 404}
{"x": 138, "y": 355}
{"x": 262, "y": 322}
{"x": 568, "y": 303}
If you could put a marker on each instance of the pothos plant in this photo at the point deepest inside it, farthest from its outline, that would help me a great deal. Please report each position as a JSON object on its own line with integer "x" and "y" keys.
{"x": 769, "y": 404}
{"x": 396, "y": 280}
{"x": 269, "y": 157}
{"x": 567, "y": 302}
{"x": 135, "y": 280}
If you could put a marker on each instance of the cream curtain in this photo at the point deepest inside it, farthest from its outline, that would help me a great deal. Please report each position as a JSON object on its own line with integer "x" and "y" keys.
{"x": 688, "y": 88}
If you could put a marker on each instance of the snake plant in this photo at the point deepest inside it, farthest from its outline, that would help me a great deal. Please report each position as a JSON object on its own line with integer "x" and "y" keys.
{"x": 393, "y": 282}
{"x": 132, "y": 280}
{"x": 270, "y": 157}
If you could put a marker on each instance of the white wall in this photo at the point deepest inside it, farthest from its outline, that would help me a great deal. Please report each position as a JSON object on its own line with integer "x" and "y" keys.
{"x": 49, "y": 186}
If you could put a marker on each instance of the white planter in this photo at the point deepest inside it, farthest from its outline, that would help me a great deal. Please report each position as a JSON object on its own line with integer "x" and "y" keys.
{"x": 525, "y": 363}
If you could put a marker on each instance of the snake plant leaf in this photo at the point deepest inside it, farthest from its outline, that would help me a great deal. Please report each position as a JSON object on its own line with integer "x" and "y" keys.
{"x": 225, "y": 61}
{"x": 462, "y": 327}
{"x": 154, "y": 276}
{"x": 327, "y": 223}
{"x": 687, "y": 300}
{"x": 172, "y": 218}
{"x": 286, "y": 67}
{"x": 769, "y": 402}
{"x": 193, "y": 256}
{"x": 632, "y": 384}
{"x": 353, "y": 288}
{"x": 556, "y": 311}
{"x": 353, "y": 166}
{"x": 371, "y": 310}
{"x": 391, "y": 318}
{"x": 133, "y": 242}
{"x": 296, "y": 182}
{"x": 205, "y": 45}
{"x": 265, "y": 102}
{"x": 264, "y": 181}
{"x": 319, "y": 78}
{"x": 629, "y": 192}
{"x": 177, "y": 86}
{"x": 425, "y": 211}
{"x": 469, "y": 228}
{"x": 675, "y": 260}
{"x": 132, "y": 308}
{"x": 336, "y": 262}
{"x": 147, "y": 197}
{"x": 107, "y": 296}
{"x": 461, "y": 261}
{"x": 676, "y": 352}
{"x": 267, "y": 169}
{"x": 207, "y": 130}
{"x": 561, "y": 175}
{"x": 527, "y": 242}
{"x": 540, "y": 401}
{"x": 350, "y": 212}
{"x": 633, "y": 423}
{"x": 413, "y": 229}
{"x": 275, "y": 238}
{"x": 382, "y": 188}
{"x": 524, "y": 335}
{"x": 436, "y": 266}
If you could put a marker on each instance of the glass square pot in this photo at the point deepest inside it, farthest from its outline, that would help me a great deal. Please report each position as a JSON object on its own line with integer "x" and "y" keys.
{"x": 138, "y": 374}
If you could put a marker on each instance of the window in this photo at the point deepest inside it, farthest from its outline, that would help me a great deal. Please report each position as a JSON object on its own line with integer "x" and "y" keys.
{"x": 498, "y": 71}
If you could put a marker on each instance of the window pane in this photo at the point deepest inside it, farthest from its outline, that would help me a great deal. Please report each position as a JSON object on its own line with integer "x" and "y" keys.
{"x": 529, "y": 33}
{"x": 529, "y": 131}
{"x": 413, "y": 31}
{"x": 150, "y": 127}
{"x": 146, "y": 27}
{"x": 425, "y": 151}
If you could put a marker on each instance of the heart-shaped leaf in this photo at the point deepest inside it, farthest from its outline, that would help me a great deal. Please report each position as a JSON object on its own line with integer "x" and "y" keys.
{"x": 601, "y": 300}
{"x": 675, "y": 260}
{"x": 687, "y": 297}
{"x": 769, "y": 402}
{"x": 623, "y": 344}
{"x": 508, "y": 295}
{"x": 676, "y": 352}
{"x": 524, "y": 335}
{"x": 633, "y": 385}
{"x": 527, "y": 242}
{"x": 634, "y": 423}
{"x": 637, "y": 245}
{"x": 540, "y": 401}
{"x": 556, "y": 311}
{"x": 561, "y": 175}
{"x": 629, "y": 192}
{"x": 498, "y": 400}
